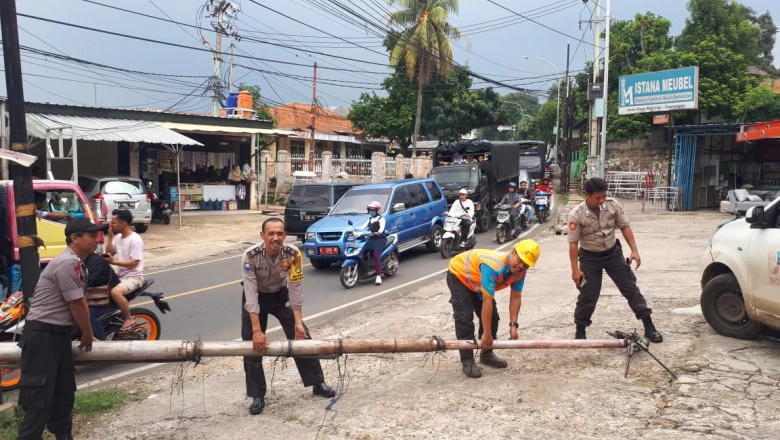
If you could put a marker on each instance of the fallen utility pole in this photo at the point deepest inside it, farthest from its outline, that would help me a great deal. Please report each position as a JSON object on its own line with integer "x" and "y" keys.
{"x": 179, "y": 351}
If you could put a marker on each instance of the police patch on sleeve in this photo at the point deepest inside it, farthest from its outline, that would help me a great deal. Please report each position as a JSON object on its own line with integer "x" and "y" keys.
{"x": 572, "y": 226}
{"x": 248, "y": 266}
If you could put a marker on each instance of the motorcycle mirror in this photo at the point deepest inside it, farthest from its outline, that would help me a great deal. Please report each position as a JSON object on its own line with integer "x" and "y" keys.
{"x": 349, "y": 222}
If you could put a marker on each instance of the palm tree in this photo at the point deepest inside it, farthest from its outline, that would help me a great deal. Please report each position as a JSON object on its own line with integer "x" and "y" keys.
{"x": 423, "y": 46}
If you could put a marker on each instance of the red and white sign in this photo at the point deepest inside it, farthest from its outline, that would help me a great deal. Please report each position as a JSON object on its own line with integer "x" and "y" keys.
{"x": 22, "y": 159}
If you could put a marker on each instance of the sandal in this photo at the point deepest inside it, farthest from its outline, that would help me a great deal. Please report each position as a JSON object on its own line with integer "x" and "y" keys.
{"x": 129, "y": 327}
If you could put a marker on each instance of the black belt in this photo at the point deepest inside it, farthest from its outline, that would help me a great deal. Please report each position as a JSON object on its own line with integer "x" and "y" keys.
{"x": 48, "y": 328}
{"x": 601, "y": 253}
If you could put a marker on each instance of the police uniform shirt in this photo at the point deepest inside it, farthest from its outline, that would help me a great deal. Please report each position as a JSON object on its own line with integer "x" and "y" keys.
{"x": 63, "y": 280}
{"x": 596, "y": 233}
{"x": 265, "y": 274}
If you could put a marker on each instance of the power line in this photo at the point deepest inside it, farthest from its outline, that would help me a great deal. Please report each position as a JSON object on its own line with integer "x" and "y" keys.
{"x": 541, "y": 24}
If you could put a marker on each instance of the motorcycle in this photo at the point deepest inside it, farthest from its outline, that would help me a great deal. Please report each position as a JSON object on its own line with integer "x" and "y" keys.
{"x": 147, "y": 327}
{"x": 161, "y": 210}
{"x": 359, "y": 265}
{"x": 504, "y": 229}
{"x": 451, "y": 240}
{"x": 542, "y": 205}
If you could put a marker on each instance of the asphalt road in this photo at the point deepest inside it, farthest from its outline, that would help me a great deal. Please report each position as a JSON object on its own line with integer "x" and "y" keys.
{"x": 205, "y": 298}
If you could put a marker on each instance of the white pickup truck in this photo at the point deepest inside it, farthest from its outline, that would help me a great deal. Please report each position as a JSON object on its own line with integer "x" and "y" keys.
{"x": 740, "y": 274}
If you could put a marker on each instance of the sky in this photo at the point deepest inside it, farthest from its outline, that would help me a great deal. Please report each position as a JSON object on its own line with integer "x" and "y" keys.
{"x": 495, "y": 44}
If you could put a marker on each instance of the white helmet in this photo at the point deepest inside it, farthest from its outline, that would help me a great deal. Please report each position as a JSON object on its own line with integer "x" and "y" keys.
{"x": 463, "y": 191}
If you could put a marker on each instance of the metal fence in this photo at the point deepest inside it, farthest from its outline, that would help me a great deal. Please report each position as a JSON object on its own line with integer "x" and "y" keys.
{"x": 352, "y": 167}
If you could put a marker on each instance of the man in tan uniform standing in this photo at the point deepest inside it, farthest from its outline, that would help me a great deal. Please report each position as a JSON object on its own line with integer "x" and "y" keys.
{"x": 273, "y": 285}
{"x": 592, "y": 226}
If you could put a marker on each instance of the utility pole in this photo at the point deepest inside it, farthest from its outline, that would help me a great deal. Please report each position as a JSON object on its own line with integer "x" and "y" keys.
{"x": 22, "y": 178}
{"x": 602, "y": 164}
{"x": 566, "y": 154}
{"x": 594, "y": 121}
{"x": 313, "y": 142}
{"x": 230, "y": 75}
{"x": 224, "y": 13}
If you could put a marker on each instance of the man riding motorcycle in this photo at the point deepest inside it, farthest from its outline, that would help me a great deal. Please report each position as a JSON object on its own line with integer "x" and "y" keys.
{"x": 545, "y": 185}
{"x": 527, "y": 194}
{"x": 464, "y": 209}
{"x": 511, "y": 198}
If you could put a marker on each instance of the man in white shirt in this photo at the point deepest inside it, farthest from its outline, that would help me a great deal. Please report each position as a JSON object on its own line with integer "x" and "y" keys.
{"x": 125, "y": 249}
{"x": 463, "y": 208}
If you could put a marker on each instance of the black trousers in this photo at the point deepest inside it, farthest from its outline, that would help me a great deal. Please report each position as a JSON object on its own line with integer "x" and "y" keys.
{"x": 592, "y": 264}
{"x": 48, "y": 384}
{"x": 274, "y": 304}
{"x": 465, "y": 225}
{"x": 466, "y": 303}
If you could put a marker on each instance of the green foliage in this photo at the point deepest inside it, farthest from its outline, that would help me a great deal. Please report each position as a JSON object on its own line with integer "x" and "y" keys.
{"x": 451, "y": 108}
{"x": 727, "y": 23}
{"x": 261, "y": 110}
{"x": 759, "y": 104}
{"x": 516, "y": 109}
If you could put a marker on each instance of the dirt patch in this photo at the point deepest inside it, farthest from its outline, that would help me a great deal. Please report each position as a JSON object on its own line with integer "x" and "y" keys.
{"x": 201, "y": 237}
{"x": 728, "y": 389}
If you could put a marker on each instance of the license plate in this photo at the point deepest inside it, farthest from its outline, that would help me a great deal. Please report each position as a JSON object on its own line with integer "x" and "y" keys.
{"x": 125, "y": 205}
{"x": 542, "y": 200}
{"x": 331, "y": 250}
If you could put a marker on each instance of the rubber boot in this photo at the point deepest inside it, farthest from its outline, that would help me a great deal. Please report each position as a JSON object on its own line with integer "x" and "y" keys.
{"x": 470, "y": 368}
{"x": 650, "y": 331}
{"x": 490, "y": 359}
{"x": 580, "y": 333}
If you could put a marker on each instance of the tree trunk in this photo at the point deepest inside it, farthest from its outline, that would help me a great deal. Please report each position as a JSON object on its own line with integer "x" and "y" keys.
{"x": 419, "y": 116}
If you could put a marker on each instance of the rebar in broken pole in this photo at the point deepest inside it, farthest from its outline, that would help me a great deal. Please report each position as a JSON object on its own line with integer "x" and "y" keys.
{"x": 177, "y": 351}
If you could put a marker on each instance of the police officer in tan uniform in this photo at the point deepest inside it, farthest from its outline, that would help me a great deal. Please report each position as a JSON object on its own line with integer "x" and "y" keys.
{"x": 48, "y": 385}
{"x": 273, "y": 278}
{"x": 592, "y": 226}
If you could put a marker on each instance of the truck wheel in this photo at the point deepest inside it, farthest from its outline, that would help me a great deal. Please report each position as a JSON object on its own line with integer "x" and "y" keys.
{"x": 483, "y": 224}
{"x": 434, "y": 244}
{"x": 724, "y": 309}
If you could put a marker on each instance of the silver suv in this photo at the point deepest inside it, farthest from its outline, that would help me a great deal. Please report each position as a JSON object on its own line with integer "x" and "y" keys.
{"x": 120, "y": 193}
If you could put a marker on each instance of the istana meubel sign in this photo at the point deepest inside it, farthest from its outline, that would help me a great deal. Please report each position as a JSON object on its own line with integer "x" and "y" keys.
{"x": 676, "y": 89}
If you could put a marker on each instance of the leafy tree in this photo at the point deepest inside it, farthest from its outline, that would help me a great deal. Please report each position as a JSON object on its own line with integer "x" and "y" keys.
{"x": 766, "y": 41}
{"x": 727, "y": 23}
{"x": 423, "y": 47}
{"x": 261, "y": 110}
{"x": 760, "y": 104}
{"x": 516, "y": 109}
{"x": 451, "y": 109}
{"x": 636, "y": 39}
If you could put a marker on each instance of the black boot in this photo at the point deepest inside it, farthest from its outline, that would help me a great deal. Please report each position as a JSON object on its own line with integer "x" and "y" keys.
{"x": 470, "y": 368}
{"x": 580, "y": 333}
{"x": 650, "y": 331}
{"x": 323, "y": 390}
{"x": 491, "y": 359}
{"x": 257, "y": 406}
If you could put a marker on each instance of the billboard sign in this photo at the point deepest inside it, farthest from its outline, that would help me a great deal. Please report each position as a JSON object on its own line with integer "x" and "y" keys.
{"x": 667, "y": 90}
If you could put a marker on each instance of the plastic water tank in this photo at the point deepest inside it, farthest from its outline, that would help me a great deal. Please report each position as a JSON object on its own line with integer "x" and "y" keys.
{"x": 244, "y": 100}
{"x": 232, "y": 100}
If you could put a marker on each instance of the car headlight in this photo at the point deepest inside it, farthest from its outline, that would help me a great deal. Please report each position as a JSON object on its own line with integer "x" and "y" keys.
{"x": 311, "y": 236}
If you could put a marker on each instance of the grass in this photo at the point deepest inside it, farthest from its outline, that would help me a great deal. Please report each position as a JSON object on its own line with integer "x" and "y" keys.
{"x": 565, "y": 199}
{"x": 88, "y": 405}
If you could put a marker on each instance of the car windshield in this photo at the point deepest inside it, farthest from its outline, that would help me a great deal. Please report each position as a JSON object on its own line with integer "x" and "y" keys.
{"x": 312, "y": 195}
{"x": 456, "y": 177}
{"x": 355, "y": 200}
{"x": 129, "y": 187}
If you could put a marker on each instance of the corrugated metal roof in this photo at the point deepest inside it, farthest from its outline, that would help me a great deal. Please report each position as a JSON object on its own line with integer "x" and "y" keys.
{"x": 205, "y": 128}
{"x": 105, "y": 129}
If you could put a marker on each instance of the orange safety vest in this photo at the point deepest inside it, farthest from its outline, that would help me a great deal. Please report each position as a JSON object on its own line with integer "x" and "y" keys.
{"x": 466, "y": 268}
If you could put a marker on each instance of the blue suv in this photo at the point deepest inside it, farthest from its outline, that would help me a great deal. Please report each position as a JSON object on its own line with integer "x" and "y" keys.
{"x": 412, "y": 208}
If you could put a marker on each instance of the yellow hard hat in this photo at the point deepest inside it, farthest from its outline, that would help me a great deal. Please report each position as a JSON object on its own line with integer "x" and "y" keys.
{"x": 528, "y": 251}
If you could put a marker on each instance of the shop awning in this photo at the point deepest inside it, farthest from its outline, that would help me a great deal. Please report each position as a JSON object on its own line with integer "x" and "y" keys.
{"x": 757, "y": 132}
{"x": 104, "y": 129}
{"x": 333, "y": 137}
{"x": 221, "y": 129}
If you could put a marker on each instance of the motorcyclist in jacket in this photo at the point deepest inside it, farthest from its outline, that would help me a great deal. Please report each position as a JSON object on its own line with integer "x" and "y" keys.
{"x": 464, "y": 209}
{"x": 511, "y": 198}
